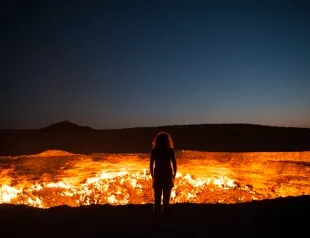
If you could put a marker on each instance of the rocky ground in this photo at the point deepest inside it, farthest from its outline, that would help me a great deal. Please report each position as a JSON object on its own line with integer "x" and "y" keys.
{"x": 269, "y": 218}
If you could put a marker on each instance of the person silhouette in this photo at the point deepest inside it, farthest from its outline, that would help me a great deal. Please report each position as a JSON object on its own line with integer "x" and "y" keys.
{"x": 163, "y": 174}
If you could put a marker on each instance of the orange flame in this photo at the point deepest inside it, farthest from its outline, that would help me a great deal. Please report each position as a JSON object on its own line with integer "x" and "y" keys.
{"x": 55, "y": 178}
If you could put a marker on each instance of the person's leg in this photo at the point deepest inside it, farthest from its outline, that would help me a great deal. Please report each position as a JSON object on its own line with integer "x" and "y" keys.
{"x": 157, "y": 203}
{"x": 166, "y": 201}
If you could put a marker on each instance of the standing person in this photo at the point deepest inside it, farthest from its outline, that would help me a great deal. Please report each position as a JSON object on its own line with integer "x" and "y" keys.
{"x": 163, "y": 173}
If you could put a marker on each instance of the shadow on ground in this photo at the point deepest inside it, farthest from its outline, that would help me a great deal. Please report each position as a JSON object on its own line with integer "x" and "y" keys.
{"x": 270, "y": 218}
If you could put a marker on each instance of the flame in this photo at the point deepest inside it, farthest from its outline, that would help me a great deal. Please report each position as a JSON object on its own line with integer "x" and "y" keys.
{"x": 51, "y": 179}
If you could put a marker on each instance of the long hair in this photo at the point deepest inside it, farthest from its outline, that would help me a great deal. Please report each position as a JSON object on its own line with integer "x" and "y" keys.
{"x": 162, "y": 140}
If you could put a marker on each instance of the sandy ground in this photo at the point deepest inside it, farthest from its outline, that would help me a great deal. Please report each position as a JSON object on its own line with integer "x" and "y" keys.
{"x": 269, "y": 218}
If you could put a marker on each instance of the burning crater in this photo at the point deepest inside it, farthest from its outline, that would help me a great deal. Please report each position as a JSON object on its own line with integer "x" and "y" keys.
{"x": 54, "y": 178}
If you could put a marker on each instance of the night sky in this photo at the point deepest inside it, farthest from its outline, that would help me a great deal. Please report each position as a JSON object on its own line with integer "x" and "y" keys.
{"x": 118, "y": 64}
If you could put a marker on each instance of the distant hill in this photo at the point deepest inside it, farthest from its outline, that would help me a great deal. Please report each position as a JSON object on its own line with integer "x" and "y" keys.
{"x": 66, "y": 126}
{"x": 73, "y": 138}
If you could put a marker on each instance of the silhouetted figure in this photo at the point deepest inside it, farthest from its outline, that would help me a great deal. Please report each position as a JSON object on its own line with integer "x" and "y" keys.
{"x": 163, "y": 173}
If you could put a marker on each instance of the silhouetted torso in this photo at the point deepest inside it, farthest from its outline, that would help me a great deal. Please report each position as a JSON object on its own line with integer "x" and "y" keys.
{"x": 163, "y": 168}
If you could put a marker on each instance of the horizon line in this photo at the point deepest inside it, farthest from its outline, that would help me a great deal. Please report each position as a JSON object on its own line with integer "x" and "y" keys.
{"x": 168, "y": 125}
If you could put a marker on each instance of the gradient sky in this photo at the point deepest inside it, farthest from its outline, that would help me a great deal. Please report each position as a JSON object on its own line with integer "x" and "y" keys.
{"x": 118, "y": 64}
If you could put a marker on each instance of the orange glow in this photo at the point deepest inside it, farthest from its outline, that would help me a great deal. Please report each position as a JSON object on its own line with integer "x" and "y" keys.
{"x": 54, "y": 178}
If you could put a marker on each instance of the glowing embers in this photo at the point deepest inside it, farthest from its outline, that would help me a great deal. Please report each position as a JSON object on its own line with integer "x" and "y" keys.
{"x": 54, "y": 178}
{"x": 120, "y": 188}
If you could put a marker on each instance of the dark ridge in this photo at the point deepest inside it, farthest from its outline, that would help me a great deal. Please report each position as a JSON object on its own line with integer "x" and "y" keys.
{"x": 204, "y": 137}
{"x": 66, "y": 126}
{"x": 281, "y": 217}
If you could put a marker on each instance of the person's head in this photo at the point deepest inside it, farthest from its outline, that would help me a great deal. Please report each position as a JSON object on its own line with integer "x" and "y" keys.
{"x": 162, "y": 140}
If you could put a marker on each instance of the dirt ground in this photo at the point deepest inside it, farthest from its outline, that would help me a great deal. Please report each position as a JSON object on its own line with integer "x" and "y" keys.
{"x": 269, "y": 218}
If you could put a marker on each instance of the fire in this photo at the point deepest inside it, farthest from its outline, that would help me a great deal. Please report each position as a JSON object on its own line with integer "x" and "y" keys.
{"x": 55, "y": 178}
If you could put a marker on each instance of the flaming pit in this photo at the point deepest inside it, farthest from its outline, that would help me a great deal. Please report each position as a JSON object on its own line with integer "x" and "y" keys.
{"x": 54, "y": 178}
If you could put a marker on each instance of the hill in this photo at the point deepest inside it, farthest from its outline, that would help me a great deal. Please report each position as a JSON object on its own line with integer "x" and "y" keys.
{"x": 205, "y": 137}
{"x": 66, "y": 126}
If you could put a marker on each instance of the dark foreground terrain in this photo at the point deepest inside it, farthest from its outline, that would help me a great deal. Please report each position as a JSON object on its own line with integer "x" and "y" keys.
{"x": 282, "y": 217}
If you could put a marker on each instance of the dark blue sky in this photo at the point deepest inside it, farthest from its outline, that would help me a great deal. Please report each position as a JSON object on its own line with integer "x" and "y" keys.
{"x": 116, "y": 64}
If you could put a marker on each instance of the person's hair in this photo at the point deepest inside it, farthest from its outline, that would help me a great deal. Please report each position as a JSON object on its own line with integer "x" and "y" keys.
{"x": 162, "y": 139}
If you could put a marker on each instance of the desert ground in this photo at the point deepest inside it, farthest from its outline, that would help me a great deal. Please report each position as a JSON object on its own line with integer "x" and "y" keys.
{"x": 218, "y": 211}
{"x": 69, "y": 191}
{"x": 281, "y": 217}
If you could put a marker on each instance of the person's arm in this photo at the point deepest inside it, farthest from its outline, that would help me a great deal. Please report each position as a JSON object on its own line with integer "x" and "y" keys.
{"x": 174, "y": 164}
{"x": 152, "y": 164}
